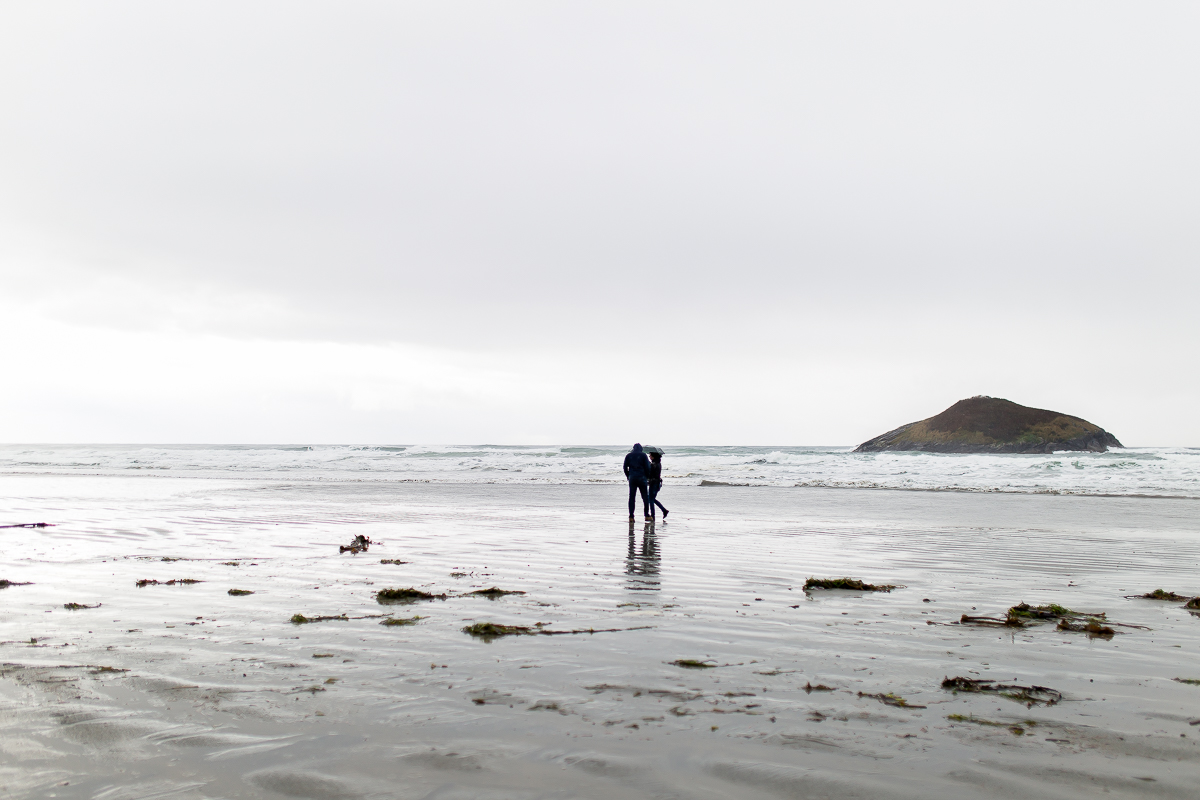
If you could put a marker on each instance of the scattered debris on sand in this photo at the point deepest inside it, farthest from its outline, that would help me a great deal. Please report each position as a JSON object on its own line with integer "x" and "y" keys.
{"x": 359, "y": 544}
{"x": 393, "y": 621}
{"x": 391, "y": 561}
{"x": 820, "y": 687}
{"x": 691, "y": 663}
{"x": 405, "y": 596}
{"x": 240, "y": 592}
{"x": 300, "y": 619}
{"x": 890, "y": 699}
{"x": 172, "y": 582}
{"x": 1160, "y": 594}
{"x": 1092, "y": 628}
{"x": 1017, "y": 729}
{"x": 491, "y": 593}
{"x": 77, "y": 606}
{"x": 1030, "y": 695}
{"x": 852, "y": 584}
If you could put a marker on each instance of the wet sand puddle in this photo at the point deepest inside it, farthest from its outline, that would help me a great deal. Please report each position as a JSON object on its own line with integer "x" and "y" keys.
{"x": 711, "y": 672}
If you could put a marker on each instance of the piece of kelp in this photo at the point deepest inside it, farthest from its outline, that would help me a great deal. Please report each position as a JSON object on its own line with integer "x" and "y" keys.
{"x": 1051, "y": 611}
{"x": 820, "y": 687}
{"x": 1004, "y": 622}
{"x": 240, "y": 592}
{"x": 391, "y": 561}
{"x": 4, "y": 584}
{"x": 1019, "y": 730}
{"x": 300, "y": 619}
{"x": 1030, "y": 695}
{"x": 1023, "y": 614}
{"x": 1093, "y": 628}
{"x": 890, "y": 699}
{"x": 405, "y": 596}
{"x": 77, "y": 606}
{"x": 491, "y": 593}
{"x": 172, "y": 582}
{"x": 1160, "y": 594}
{"x": 1194, "y": 603}
{"x": 1189, "y": 681}
{"x": 394, "y": 621}
{"x": 491, "y": 630}
{"x": 692, "y": 663}
{"x": 852, "y": 584}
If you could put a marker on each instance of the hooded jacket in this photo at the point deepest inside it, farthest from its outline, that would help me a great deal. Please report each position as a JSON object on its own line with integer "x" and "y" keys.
{"x": 637, "y": 465}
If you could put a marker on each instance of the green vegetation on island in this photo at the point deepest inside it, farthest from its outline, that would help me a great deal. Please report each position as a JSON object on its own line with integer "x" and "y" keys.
{"x": 992, "y": 425}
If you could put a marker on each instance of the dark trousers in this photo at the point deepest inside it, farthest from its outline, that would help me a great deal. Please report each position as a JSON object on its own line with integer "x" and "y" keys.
{"x": 654, "y": 490}
{"x": 634, "y": 488}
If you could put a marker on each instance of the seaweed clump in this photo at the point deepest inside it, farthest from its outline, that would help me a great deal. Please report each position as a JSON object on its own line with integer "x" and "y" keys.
{"x": 491, "y": 630}
{"x": 820, "y": 687}
{"x": 172, "y": 582}
{"x": 1194, "y": 603}
{"x": 1030, "y": 695}
{"x": 852, "y": 584}
{"x": 1023, "y": 614}
{"x": 391, "y": 561}
{"x": 1189, "y": 681}
{"x": 492, "y": 593}
{"x": 300, "y": 619}
{"x": 405, "y": 596}
{"x": 394, "y": 621}
{"x": 5, "y": 583}
{"x": 77, "y": 606}
{"x": 1092, "y": 628}
{"x": 1159, "y": 594}
{"x": 691, "y": 663}
{"x": 240, "y": 592}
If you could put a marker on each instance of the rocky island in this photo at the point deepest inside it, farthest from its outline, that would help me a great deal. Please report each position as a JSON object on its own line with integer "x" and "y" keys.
{"x": 992, "y": 425}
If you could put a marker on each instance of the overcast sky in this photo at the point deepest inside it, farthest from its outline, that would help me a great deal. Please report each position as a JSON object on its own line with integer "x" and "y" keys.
{"x": 513, "y": 222}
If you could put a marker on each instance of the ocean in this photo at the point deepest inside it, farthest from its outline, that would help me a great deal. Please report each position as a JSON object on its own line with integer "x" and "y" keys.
{"x": 189, "y": 624}
{"x": 1143, "y": 471}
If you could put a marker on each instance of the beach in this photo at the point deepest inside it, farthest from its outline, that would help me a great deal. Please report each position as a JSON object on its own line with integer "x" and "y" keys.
{"x": 680, "y": 660}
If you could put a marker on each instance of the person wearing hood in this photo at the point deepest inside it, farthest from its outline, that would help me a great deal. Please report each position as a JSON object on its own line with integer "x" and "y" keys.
{"x": 637, "y": 472}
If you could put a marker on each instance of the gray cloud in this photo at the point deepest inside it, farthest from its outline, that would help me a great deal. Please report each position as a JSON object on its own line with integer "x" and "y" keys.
{"x": 856, "y": 180}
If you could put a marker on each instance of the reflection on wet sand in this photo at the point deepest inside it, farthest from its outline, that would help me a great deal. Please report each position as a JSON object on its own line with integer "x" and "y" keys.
{"x": 642, "y": 565}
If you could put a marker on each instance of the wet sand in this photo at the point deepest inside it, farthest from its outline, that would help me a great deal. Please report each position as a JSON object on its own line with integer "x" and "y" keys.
{"x": 182, "y": 690}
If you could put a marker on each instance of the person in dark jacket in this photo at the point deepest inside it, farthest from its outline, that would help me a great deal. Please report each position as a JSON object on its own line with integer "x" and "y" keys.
{"x": 656, "y": 484}
{"x": 637, "y": 472}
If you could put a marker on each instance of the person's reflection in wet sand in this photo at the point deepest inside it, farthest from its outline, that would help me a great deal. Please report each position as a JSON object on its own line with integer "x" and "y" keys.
{"x": 642, "y": 566}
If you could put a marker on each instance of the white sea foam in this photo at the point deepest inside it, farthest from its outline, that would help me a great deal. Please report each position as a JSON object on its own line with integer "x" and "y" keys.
{"x": 1149, "y": 471}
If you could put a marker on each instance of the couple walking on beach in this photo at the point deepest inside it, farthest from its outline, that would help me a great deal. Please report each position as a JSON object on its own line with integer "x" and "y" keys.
{"x": 645, "y": 475}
